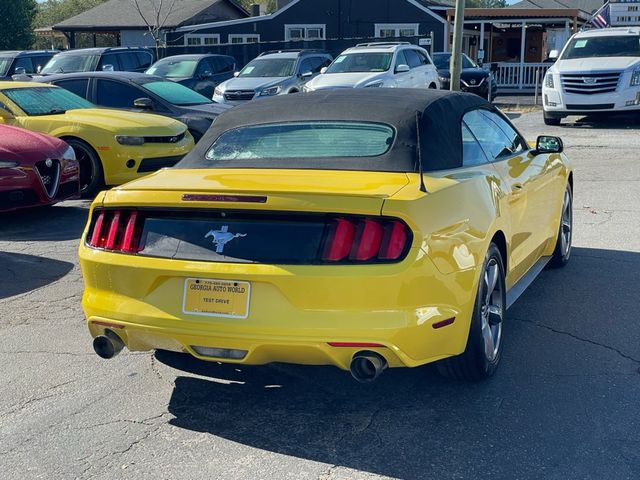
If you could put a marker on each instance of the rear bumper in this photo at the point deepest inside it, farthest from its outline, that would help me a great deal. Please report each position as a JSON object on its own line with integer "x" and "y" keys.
{"x": 294, "y": 311}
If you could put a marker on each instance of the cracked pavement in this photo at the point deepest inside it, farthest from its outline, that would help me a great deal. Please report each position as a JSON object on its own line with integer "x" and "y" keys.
{"x": 564, "y": 403}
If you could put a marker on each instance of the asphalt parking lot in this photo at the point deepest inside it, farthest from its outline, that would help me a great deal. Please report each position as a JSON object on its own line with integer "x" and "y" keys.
{"x": 565, "y": 403}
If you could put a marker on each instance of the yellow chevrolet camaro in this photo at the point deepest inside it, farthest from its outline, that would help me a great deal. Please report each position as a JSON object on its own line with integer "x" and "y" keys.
{"x": 360, "y": 229}
{"x": 112, "y": 146}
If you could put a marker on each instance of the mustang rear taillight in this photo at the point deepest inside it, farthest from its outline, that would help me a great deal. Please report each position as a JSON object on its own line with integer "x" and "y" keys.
{"x": 116, "y": 231}
{"x": 365, "y": 240}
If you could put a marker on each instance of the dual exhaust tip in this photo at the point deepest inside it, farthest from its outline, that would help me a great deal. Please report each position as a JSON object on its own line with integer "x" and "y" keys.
{"x": 108, "y": 345}
{"x": 365, "y": 367}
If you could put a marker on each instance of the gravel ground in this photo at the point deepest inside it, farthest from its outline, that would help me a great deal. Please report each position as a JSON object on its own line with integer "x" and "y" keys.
{"x": 564, "y": 403}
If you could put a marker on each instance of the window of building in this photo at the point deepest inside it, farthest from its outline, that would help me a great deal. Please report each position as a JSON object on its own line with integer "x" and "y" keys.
{"x": 396, "y": 30}
{"x": 294, "y": 33}
{"x": 244, "y": 38}
{"x": 199, "y": 40}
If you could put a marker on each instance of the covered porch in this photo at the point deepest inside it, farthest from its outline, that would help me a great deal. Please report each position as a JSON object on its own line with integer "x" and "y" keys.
{"x": 517, "y": 41}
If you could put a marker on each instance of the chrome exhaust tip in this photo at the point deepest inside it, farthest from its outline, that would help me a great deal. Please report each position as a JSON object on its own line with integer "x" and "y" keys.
{"x": 108, "y": 345}
{"x": 367, "y": 366}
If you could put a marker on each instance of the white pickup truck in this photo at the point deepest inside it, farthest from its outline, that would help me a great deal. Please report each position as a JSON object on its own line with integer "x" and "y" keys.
{"x": 598, "y": 71}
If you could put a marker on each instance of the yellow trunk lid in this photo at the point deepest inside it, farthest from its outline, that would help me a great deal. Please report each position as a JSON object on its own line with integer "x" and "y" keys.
{"x": 298, "y": 190}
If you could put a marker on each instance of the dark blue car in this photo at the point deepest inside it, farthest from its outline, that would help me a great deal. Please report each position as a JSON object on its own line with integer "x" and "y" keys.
{"x": 201, "y": 73}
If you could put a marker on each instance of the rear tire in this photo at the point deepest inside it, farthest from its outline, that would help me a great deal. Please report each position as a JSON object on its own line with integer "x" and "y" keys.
{"x": 91, "y": 174}
{"x": 551, "y": 120}
{"x": 562, "y": 252}
{"x": 482, "y": 354}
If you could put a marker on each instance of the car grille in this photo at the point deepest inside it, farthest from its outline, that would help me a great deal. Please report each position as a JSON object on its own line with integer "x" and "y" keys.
{"x": 591, "y": 83}
{"x": 599, "y": 106}
{"x": 49, "y": 172}
{"x": 239, "y": 95}
{"x": 69, "y": 189}
{"x": 173, "y": 139}
{"x": 17, "y": 198}
{"x": 153, "y": 164}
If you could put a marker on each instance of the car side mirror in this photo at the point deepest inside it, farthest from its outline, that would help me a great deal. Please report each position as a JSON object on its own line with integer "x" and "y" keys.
{"x": 548, "y": 144}
{"x": 108, "y": 68}
{"x": 323, "y": 70}
{"x": 143, "y": 103}
{"x": 402, "y": 68}
{"x": 553, "y": 55}
{"x": 306, "y": 75}
{"x": 235, "y": 74}
{"x": 205, "y": 75}
{"x": 39, "y": 69}
{"x": 20, "y": 71}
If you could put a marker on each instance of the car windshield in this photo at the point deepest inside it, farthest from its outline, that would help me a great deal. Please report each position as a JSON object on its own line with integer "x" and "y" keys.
{"x": 269, "y": 67}
{"x": 176, "y": 94}
{"x": 173, "y": 68}
{"x": 45, "y": 100}
{"x": 303, "y": 140}
{"x": 605, "y": 46}
{"x": 5, "y": 63}
{"x": 70, "y": 64}
{"x": 442, "y": 61}
{"x": 361, "y": 62}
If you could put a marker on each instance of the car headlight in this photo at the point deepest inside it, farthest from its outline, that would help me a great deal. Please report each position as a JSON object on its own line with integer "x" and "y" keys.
{"x": 270, "y": 91}
{"x": 125, "y": 140}
{"x": 69, "y": 154}
{"x": 444, "y": 79}
{"x": 635, "y": 77}
{"x": 218, "y": 91}
{"x": 377, "y": 84}
{"x": 8, "y": 164}
{"x": 548, "y": 80}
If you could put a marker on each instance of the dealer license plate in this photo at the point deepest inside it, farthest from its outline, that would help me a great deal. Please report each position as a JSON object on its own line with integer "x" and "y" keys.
{"x": 216, "y": 298}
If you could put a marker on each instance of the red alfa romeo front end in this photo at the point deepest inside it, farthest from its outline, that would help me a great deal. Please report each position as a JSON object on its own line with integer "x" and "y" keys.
{"x": 35, "y": 169}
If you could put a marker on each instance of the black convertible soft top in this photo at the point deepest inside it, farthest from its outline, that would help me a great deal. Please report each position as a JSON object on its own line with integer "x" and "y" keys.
{"x": 437, "y": 113}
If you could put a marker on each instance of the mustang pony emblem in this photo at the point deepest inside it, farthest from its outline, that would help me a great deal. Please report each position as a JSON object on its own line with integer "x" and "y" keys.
{"x": 222, "y": 237}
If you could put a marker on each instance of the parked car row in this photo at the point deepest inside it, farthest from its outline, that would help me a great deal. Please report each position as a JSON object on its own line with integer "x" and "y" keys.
{"x": 121, "y": 141}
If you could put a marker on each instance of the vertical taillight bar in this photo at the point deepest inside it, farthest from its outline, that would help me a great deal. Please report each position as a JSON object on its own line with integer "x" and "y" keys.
{"x": 117, "y": 231}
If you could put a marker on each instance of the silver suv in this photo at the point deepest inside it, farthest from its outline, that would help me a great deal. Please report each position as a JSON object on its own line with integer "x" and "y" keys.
{"x": 272, "y": 73}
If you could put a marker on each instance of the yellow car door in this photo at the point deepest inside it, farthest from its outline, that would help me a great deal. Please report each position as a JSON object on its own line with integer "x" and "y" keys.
{"x": 523, "y": 185}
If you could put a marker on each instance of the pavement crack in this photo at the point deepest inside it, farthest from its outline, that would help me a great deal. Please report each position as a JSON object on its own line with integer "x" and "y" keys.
{"x": 39, "y": 398}
{"x": 581, "y": 339}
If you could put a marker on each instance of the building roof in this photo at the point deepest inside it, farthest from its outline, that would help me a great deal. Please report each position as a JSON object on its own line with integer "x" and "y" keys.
{"x": 122, "y": 14}
{"x": 506, "y": 14}
{"x": 438, "y": 3}
{"x": 588, "y": 6}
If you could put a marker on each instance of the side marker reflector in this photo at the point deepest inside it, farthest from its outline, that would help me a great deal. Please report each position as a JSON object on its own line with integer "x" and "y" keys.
{"x": 444, "y": 323}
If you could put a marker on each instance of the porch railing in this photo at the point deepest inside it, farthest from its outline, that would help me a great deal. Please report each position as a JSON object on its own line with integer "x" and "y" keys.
{"x": 518, "y": 75}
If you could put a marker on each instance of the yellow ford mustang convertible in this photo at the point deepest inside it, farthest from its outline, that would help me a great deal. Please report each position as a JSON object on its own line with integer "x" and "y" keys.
{"x": 111, "y": 146}
{"x": 360, "y": 229}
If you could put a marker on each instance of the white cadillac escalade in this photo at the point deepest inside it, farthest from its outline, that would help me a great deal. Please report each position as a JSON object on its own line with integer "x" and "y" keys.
{"x": 598, "y": 71}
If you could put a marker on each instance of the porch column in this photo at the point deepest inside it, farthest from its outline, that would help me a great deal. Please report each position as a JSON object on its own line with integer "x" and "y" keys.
{"x": 484, "y": 54}
{"x": 523, "y": 33}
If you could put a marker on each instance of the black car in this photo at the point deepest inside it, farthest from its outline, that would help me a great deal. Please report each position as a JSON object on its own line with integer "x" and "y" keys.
{"x": 474, "y": 79}
{"x": 142, "y": 92}
{"x": 201, "y": 73}
{"x": 23, "y": 62}
{"x": 116, "y": 59}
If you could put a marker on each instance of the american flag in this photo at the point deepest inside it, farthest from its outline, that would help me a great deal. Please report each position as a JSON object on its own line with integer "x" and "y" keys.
{"x": 602, "y": 19}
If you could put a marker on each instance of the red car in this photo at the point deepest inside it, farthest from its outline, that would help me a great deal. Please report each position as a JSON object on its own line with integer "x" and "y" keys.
{"x": 35, "y": 169}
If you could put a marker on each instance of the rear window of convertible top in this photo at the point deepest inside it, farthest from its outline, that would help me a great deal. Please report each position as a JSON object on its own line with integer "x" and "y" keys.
{"x": 303, "y": 140}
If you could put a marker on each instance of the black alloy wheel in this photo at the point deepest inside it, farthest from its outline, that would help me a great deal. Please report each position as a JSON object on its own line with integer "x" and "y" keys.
{"x": 482, "y": 354}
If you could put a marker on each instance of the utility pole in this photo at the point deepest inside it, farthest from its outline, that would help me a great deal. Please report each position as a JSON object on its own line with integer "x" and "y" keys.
{"x": 456, "y": 52}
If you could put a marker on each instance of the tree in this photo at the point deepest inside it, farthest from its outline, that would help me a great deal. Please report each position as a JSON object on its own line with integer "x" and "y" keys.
{"x": 486, "y": 3}
{"x": 155, "y": 18}
{"x": 17, "y": 18}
